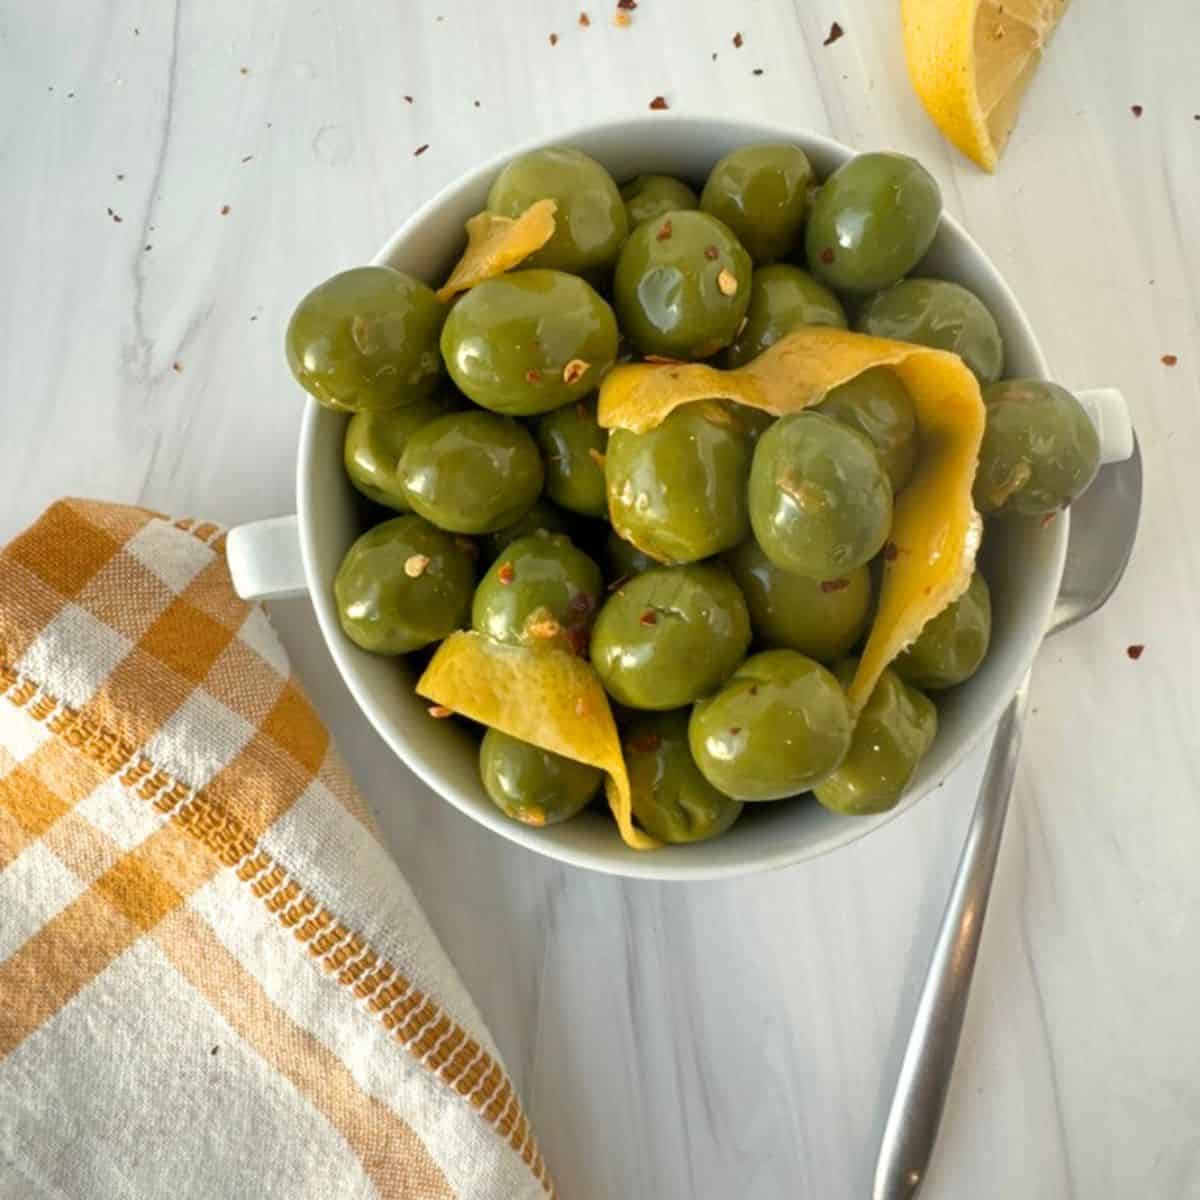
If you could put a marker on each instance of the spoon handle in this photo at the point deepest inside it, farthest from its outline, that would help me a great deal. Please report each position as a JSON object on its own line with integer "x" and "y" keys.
{"x": 916, "y": 1111}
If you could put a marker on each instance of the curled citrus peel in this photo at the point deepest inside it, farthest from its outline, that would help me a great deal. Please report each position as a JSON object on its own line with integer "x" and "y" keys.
{"x": 497, "y": 244}
{"x": 547, "y": 697}
{"x": 935, "y": 528}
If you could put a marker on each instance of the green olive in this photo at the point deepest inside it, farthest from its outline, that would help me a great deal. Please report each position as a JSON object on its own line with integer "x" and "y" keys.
{"x": 777, "y": 727}
{"x": 650, "y": 196}
{"x": 375, "y": 440}
{"x": 624, "y": 560}
{"x": 782, "y": 298}
{"x": 670, "y": 635}
{"x": 822, "y": 618}
{"x": 589, "y": 217}
{"x": 934, "y": 312}
{"x": 878, "y": 405}
{"x": 573, "y": 445}
{"x": 366, "y": 340}
{"x": 894, "y": 730}
{"x": 761, "y": 193}
{"x": 820, "y": 501}
{"x": 682, "y": 286}
{"x": 531, "y": 785}
{"x": 541, "y": 591}
{"x": 678, "y": 492}
{"x": 951, "y": 647}
{"x": 403, "y": 585}
{"x": 541, "y": 517}
{"x": 529, "y": 341}
{"x": 471, "y": 472}
{"x": 672, "y": 801}
{"x": 1040, "y": 450}
{"x": 872, "y": 221}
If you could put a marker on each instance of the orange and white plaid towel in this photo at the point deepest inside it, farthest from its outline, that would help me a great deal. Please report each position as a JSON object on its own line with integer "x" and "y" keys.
{"x": 214, "y": 981}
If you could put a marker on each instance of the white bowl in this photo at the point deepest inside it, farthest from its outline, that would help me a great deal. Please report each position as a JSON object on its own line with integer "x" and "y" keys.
{"x": 1023, "y": 561}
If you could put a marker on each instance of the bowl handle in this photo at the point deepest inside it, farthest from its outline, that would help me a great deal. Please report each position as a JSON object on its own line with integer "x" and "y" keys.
{"x": 264, "y": 559}
{"x": 1109, "y": 412}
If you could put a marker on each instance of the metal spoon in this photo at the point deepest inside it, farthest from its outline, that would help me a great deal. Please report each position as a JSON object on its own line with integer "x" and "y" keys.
{"x": 1103, "y": 527}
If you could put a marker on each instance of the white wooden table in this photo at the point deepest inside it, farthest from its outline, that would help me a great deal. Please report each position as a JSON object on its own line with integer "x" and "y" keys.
{"x": 738, "y": 1039}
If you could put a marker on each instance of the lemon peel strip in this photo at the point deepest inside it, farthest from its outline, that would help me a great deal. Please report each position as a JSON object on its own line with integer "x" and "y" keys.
{"x": 546, "y": 697}
{"x": 497, "y": 244}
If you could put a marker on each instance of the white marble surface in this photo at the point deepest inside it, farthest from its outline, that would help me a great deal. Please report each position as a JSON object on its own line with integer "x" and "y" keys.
{"x": 739, "y": 1039}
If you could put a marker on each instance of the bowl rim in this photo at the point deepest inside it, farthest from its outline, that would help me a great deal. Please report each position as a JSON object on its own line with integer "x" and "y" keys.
{"x": 650, "y": 865}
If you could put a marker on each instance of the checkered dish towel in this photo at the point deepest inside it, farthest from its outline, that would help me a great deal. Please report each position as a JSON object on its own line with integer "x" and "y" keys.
{"x": 214, "y": 981}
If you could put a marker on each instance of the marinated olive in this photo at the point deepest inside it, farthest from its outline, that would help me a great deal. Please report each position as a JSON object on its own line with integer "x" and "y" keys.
{"x": 872, "y": 221}
{"x": 933, "y": 312}
{"x": 894, "y": 730}
{"x": 529, "y": 341}
{"x": 877, "y": 404}
{"x": 589, "y": 220}
{"x": 541, "y": 591}
{"x": 531, "y": 785}
{"x": 403, "y": 585}
{"x": 670, "y": 635}
{"x": 678, "y": 492}
{"x": 781, "y": 298}
{"x": 542, "y": 517}
{"x": 822, "y": 618}
{"x": 761, "y": 193}
{"x": 367, "y": 340}
{"x": 672, "y": 801}
{"x": 471, "y": 472}
{"x": 1039, "y": 449}
{"x": 650, "y": 196}
{"x": 682, "y": 285}
{"x": 778, "y": 726}
{"x": 375, "y": 441}
{"x": 952, "y": 646}
{"x": 624, "y": 560}
{"x": 573, "y": 445}
{"x": 820, "y": 501}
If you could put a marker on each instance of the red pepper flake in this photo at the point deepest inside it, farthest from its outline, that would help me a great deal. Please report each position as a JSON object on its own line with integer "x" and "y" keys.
{"x": 660, "y": 359}
{"x": 247, "y": 158}
{"x": 757, "y": 71}
{"x": 440, "y": 711}
{"x": 578, "y": 640}
{"x": 420, "y": 150}
{"x": 627, "y": 5}
{"x": 711, "y": 252}
{"x": 649, "y": 617}
{"x": 476, "y": 103}
{"x": 533, "y": 375}
{"x": 664, "y": 231}
{"x": 1136, "y": 109}
{"x": 584, "y": 20}
{"x": 177, "y": 368}
{"x": 890, "y": 552}
{"x": 224, "y": 210}
{"x": 644, "y": 743}
{"x": 148, "y": 246}
{"x": 826, "y": 255}
{"x": 835, "y": 32}
{"x": 1048, "y": 519}
{"x": 658, "y": 103}
{"x": 408, "y": 99}
{"x": 623, "y": 20}
{"x": 1169, "y": 360}
{"x": 834, "y": 585}
{"x": 734, "y": 730}
{"x": 1135, "y": 651}
{"x": 554, "y": 39}
{"x": 754, "y": 689}
{"x": 737, "y": 41}
{"x": 120, "y": 178}
{"x": 714, "y": 57}
{"x": 506, "y": 574}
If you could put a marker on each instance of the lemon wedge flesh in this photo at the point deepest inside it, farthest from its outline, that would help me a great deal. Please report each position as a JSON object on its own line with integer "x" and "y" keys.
{"x": 971, "y": 61}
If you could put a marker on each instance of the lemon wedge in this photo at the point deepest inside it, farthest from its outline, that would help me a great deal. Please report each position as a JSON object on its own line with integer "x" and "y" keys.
{"x": 971, "y": 61}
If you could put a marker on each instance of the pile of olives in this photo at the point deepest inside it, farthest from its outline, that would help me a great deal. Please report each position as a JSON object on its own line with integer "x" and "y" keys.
{"x": 720, "y": 569}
